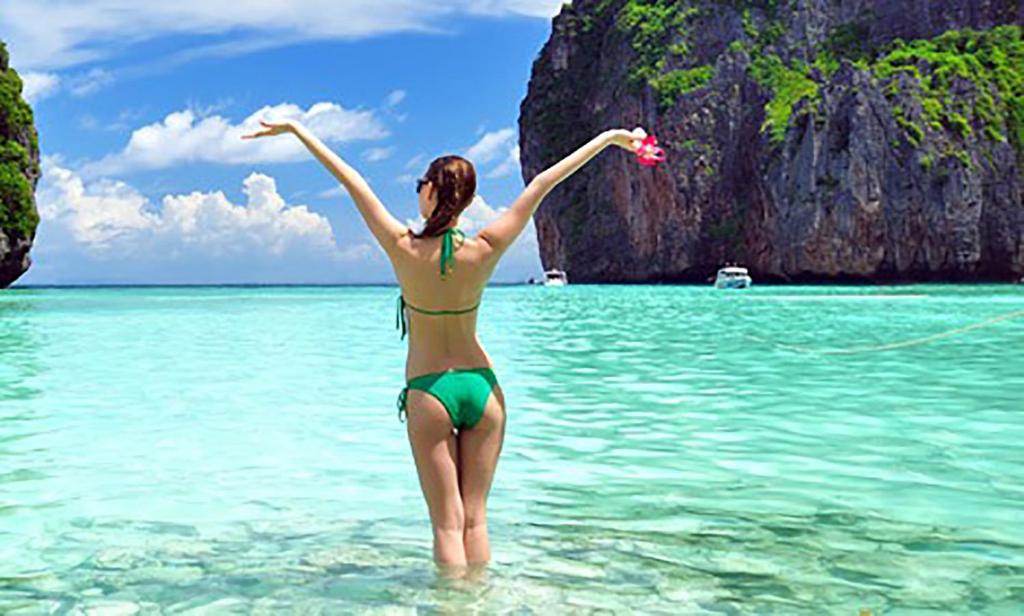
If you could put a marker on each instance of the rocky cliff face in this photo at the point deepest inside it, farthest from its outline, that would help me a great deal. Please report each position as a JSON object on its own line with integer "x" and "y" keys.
{"x": 19, "y": 174}
{"x": 807, "y": 139}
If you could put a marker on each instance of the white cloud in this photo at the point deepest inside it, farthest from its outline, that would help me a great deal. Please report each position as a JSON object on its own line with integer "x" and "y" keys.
{"x": 90, "y": 82}
{"x": 478, "y": 215}
{"x": 522, "y": 256}
{"x": 58, "y": 33}
{"x": 333, "y": 193}
{"x": 416, "y": 161}
{"x": 95, "y": 216}
{"x": 533, "y": 8}
{"x": 111, "y": 217}
{"x": 508, "y": 166}
{"x": 395, "y": 98}
{"x": 491, "y": 146}
{"x": 108, "y": 231}
{"x": 39, "y": 86}
{"x": 183, "y": 137}
{"x": 500, "y": 144}
{"x": 42, "y": 85}
{"x": 416, "y": 224}
{"x": 122, "y": 123}
{"x": 375, "y": 155}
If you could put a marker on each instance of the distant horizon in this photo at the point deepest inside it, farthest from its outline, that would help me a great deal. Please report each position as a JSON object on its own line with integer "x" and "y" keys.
{"x": 524, "y": 283}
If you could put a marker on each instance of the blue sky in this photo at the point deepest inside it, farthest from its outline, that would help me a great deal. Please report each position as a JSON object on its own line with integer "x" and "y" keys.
{"x": 139, "y": 110}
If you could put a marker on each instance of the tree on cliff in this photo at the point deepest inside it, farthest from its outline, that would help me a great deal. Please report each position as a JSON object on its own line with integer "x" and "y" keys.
{"x": 19, "y": 174}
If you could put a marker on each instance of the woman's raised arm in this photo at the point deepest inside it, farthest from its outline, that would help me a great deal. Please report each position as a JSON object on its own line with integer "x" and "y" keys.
{"x": 382, "y": 224}
{"x": 502, "y": 232}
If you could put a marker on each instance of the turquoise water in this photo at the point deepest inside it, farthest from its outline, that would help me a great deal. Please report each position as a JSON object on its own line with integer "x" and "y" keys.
{"x": 238, "y": 451}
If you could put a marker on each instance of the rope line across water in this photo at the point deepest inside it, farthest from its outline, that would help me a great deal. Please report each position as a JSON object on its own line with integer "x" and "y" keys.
{"x": 896, "y": 345}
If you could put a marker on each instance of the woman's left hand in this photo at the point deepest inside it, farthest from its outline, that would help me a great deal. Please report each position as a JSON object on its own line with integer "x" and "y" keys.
{"x": 628, "y": 140}
{"x": 271, "y": 129}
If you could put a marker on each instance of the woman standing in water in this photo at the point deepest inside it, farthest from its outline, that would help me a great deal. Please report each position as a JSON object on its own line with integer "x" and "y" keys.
{"x": 454, "y": 405}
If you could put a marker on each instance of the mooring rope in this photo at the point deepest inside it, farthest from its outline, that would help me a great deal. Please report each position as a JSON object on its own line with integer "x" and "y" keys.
{"x": 895, "y": 345}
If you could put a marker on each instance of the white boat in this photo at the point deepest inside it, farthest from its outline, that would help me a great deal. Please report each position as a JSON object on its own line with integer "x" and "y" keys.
{"x": 733, "y": 278}
{"x": 555, "y": 278}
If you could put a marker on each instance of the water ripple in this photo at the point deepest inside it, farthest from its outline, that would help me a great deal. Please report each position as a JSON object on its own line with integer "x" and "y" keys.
{"x": 235, "y": 451}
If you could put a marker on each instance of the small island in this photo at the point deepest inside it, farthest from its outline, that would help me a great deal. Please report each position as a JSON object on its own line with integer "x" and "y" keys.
{"x": 19, "y": 174}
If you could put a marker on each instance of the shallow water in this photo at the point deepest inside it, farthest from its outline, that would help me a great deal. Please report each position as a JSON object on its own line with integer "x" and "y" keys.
{"x": 670, "y": 450}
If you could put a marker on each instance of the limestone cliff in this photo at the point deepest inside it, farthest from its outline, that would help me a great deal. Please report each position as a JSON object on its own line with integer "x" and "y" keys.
{"x": 19, "y": 174}
{"x": 808, "y": 139}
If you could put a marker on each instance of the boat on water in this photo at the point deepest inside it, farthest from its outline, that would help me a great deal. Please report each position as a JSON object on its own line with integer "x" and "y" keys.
{"x": 555, "y": 278}
{"x": 733, "y": 278}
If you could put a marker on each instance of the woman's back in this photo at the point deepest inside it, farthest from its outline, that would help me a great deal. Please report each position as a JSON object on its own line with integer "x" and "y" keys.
{"x": 441, "y": 312}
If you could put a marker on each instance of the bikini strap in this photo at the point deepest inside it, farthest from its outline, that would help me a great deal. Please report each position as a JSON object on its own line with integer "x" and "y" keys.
{"x": 448, "y": 250}
{"x": 402, "y": 324}
{"x": 400, "y": 317}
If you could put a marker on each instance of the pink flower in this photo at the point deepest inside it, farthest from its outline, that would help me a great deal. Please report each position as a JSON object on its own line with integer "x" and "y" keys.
{"x": 649, "y": 154}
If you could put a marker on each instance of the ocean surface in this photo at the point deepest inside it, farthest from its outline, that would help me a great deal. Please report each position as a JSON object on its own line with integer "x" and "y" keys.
{"x": 672, "y": 450}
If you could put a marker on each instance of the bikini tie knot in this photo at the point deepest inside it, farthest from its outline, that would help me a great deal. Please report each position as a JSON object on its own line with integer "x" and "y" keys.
{"x": 402, "y": 396}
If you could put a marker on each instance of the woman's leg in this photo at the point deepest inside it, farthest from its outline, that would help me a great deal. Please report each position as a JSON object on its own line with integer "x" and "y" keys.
{"x": 435, "y": 450}
{"x": 478, "y": 452}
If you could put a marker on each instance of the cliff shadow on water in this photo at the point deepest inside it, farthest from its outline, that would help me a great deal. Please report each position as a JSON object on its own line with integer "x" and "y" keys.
{"x": 811, "y": 140}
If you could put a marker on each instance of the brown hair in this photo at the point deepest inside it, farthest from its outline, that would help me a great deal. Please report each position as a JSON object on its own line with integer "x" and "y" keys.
{"x": 454, "y": 179}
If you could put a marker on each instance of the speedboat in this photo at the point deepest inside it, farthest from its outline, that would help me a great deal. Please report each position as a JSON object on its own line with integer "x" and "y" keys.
{"x": 733, "y": 278}
{"x": 555, "y": 278}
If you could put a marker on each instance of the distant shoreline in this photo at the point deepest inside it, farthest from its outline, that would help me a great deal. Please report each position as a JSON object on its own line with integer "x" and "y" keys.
{"x": 372, "y": 285}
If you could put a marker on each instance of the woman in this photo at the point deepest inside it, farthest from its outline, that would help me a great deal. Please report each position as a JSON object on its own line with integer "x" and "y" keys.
{"x": 454, "y": 405}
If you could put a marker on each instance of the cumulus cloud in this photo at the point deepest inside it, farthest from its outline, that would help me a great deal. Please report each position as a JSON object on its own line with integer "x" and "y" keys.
{"x": 57, "y": 33}
{"x": 185, "y": 137}
{"x": 491, "y": 146}
{"x": 508, "y": 166}
{"x": 111, "y": 223}
{"x": 522, "y": 256}
{"x": 39, "y": 86}
{"x": 497, "y": 145}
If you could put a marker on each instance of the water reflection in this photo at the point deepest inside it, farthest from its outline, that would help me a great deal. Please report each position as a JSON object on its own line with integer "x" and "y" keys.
{"x": 19, "y": 347}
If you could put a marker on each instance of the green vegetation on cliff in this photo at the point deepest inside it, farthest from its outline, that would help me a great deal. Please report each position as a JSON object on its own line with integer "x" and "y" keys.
{"x": 657, "y": 32}
{"x": 788, "y": 85}
{"x": 991, "y": 61}
{"x": 651, "y": 25}
{"x": 17, "y": 209}
{"x": 674, "y": 84}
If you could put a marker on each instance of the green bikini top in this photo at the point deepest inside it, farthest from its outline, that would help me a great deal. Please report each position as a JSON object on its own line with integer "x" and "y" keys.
{"x": 447, "y": 264}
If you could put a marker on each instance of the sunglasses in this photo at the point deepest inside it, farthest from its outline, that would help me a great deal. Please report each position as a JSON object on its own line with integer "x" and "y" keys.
{"x": 420, "y": 183}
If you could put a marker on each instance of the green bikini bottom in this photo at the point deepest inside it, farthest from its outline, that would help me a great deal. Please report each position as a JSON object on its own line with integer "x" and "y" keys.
{"x": 463, "y": 393}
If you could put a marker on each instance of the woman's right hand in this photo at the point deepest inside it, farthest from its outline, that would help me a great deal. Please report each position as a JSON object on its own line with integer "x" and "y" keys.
{"x": 628, "y": 139}
{"x": 272, "y": 129}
